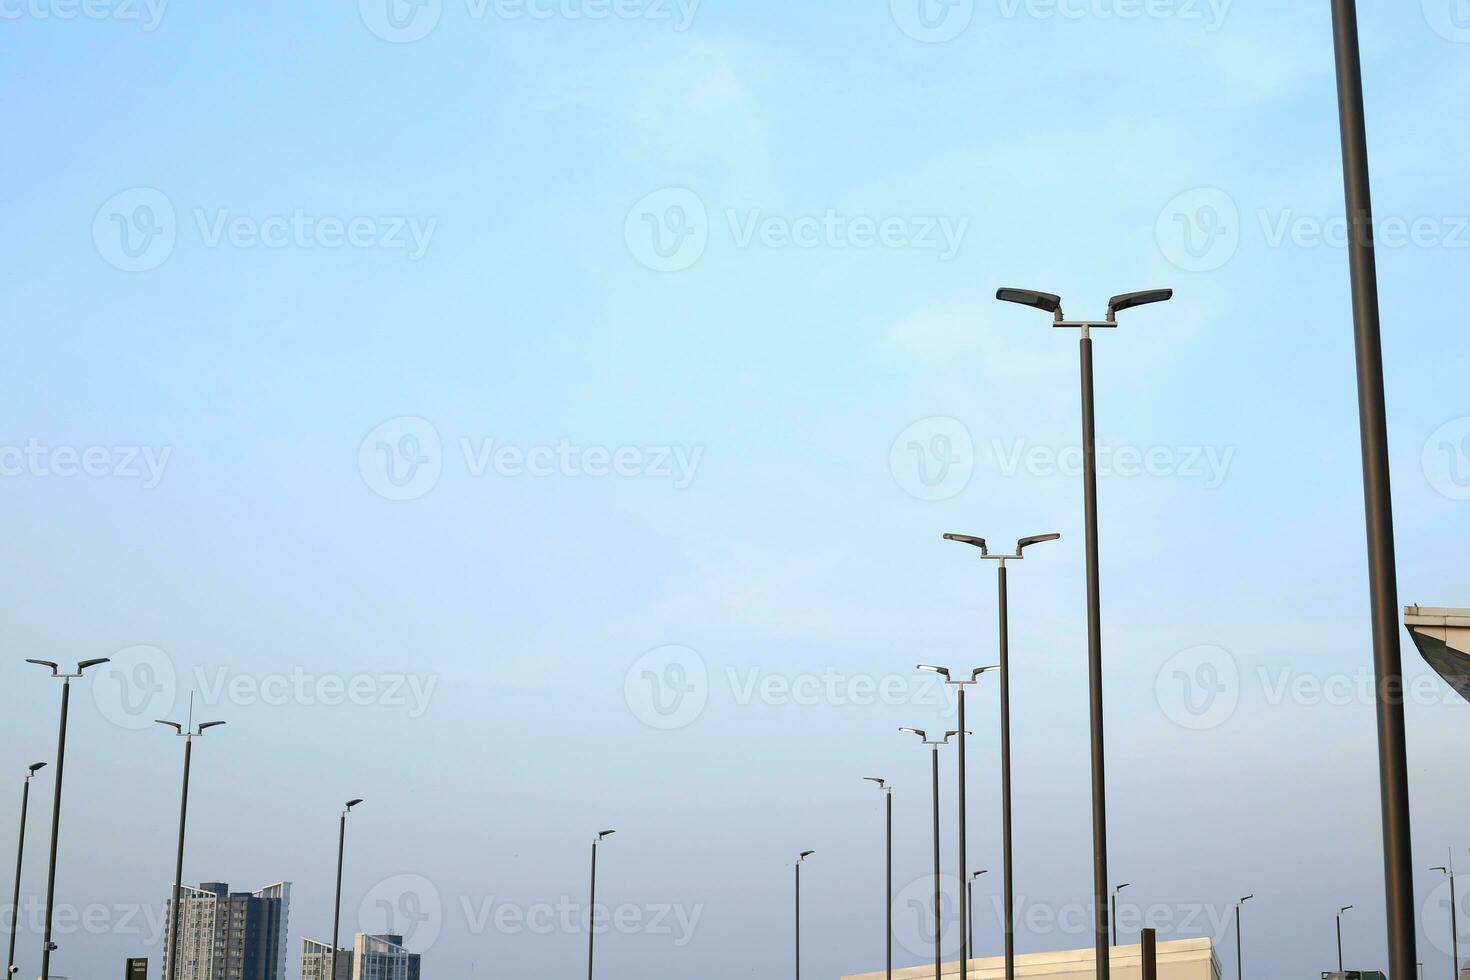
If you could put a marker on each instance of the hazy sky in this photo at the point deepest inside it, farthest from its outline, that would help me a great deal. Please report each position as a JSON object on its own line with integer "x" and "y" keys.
{"x": 540, "y": 416}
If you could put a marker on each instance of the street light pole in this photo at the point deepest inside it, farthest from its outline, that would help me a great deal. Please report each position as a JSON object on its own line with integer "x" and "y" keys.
{"x": 592, "y": 903}
{"x": 959, "y": 686}
{"x": 175, "y": 947}
{"x": 1239, "y": 968}
{"x": 934, "y": 744}
{"x": 1339, "y": 936}
{"x": 1113, "y": 905}
{"x": 888, "y": 869}
{"x": 1005, "y": 728}
{"x": 20, "y": 852}
{"x": 803, "y": 856}
{"x": 46, "y": 944}
{"x": 337, "y": 905}
{"x": 970, "y": 894}
{"x": 1052, "y": 304}
{"x": 1449, "y": 871}
{"x": 1393, "y": 767}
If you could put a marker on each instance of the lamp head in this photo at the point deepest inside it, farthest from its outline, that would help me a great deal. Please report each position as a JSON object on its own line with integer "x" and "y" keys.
{"x": 969, "y": 539}
{"x": 1127, "y": 301}
{"x": 983, "y": 670}
{"x": 44, "y": 663}
{"x": 941, "y": 671}
{"x": 209, "y": 724}
{"x": 882, "y": 783}
{"x": 1050, "y": 302}
{"x": 353, "y": 803}
{"x": 915, "y": 731}
{"x": 37, "y": 766}
{"x": 605, "y": 833}
{"x": 1345, "y": 908}
{"x": 92, "y": 663}
{"x": 1025, "y": 543}
{"x": 178, "y": 729}
{"x": 805, "y": 855}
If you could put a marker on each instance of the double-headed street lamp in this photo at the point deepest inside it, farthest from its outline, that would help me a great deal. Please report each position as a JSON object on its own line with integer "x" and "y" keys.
{"x": 1113, "y": 906}
{"x": 934, "y": 769}
{"x": 175, "y": 942}
{"x": 592, "y": 901}
{"x": 799, "y": 860}
{"x": 888, "y": 868}
{"x": 1052, "y": 304}
{"x": 20, "y": 852}
{"x": 46, "y": 944}
{"x": 1239, "y": 959}
{"x": 1005, "y": 727}
{"x": 1449, "y": 872}
{"x": 337, "y": 904}
{"x": 970, "y": 896}
{"x": 1340, "y": 911}
{"x": 960, "y": 685}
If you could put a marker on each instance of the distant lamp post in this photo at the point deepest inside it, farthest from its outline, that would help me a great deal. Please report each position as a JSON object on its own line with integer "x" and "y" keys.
{"x": 970, "y": 894}
{"x": 337, "y": 905}
{"x": 1113, "y": 905}
{"x": 1005, "y": 728}
{"x": 1340, "y": 911}
{"x": 1051, "y": 303}
{"x": 171, "y": 957}
{"x": 888, "y": 869}
{"x": 1239, "y": 969}
{"x": 799, "y": 860}
{"x": 1449, "y": 871}
{"x": 46, "y": 944}
{"x": 934, "y": 744}
{"x": 592, "y": 904}
{"x": 20, "y": 852}
{"x": 959, "y": 686}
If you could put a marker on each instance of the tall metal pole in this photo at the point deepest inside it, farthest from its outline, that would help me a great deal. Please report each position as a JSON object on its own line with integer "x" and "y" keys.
{"x": 20, "y": 851}
{"x": 1339, "y": 942}
{"x": 1377, "y": 499}
{"x": 1239, "y": 963}
{"x": 55, "y": 830}
{"x": 1005, "y": 776}
{"x": 798, "y": 920}
{"x": 938, "y": 922}
{"x": 1454, "y": 928}
{"x": 337, "y": 904}
{"x": 888, "y": 877}
{"x": 964, "y": 861}
{"x": 1094, "y": 670}
{"x": 592, "y": 909}
{"x": 175, "y": 913}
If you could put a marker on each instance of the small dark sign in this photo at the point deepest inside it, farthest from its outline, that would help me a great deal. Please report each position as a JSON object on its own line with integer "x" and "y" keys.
{"x": 137, "y": 968}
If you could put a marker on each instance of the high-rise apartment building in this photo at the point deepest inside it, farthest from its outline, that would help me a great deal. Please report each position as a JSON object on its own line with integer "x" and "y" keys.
{"x": 370, "y": 958}
{"x": 226, "y": 935}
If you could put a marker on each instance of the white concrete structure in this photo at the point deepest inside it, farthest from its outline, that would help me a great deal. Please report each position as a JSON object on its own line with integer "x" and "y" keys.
{"x": 1182, "y": 959}
{"x": 1443, "y": 637}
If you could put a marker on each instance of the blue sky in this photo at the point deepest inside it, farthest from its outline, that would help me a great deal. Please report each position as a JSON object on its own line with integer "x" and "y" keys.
{"x": 536, "y": 418}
